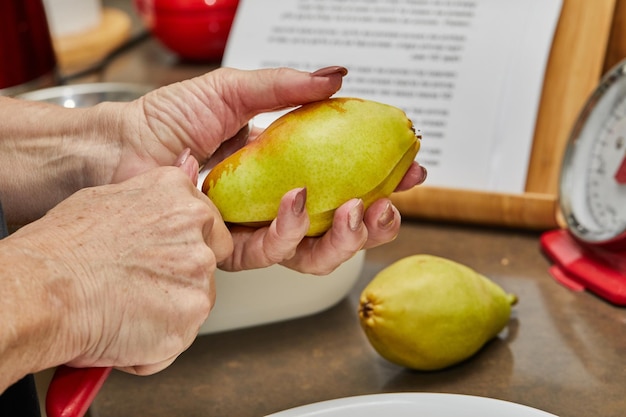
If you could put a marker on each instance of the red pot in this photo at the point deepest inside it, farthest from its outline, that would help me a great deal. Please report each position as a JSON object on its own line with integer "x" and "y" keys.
{"x": 26, "y": 53}
{"x": 193, "y": 29}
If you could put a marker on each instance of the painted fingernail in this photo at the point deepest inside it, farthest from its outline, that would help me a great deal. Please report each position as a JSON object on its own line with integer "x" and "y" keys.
{"x": 182, "y": 157}
{"x": 299, "y": 202}
{"x": 355, "y": 216}
{"x": 387, "y": 217}
{"x": 424, "y": 175}
{"x": 243, "y": 134}
{"x": 326, "y": 71}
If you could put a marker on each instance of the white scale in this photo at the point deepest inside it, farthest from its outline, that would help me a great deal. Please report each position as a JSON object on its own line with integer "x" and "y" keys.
{"x": 590, "y": 253}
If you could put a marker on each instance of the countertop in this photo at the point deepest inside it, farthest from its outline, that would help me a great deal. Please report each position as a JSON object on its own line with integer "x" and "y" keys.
{"x": 563, "y": 352}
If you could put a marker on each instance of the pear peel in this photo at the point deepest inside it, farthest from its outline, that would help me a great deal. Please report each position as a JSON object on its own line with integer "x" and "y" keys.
{"x": 428, "y": 313}
{"x": 339, "y": 148}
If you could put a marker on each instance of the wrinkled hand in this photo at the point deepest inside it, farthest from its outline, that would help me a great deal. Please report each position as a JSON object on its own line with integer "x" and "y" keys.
{"x": 142, "y": 256}
{"x": 210, "y": 115}
{"x": 284, "y": 241}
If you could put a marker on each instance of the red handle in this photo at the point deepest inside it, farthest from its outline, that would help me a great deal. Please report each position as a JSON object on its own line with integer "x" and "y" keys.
{"x": 72, "y": 390}
{"x": 578, "y": 269}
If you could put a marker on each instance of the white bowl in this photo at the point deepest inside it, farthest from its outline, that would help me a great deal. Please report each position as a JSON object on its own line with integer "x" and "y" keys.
{"x": 412, "y": 404}
{"x": 262, "y": 296}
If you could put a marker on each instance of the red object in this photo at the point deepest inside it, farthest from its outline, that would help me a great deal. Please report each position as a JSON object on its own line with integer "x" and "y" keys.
{"x": 194, "y": 29}
{"x": 72, "y": 390}
{"x": 578, "y": 267}
{"x": 620, "y": 175}
{"x": 26, "y": 51}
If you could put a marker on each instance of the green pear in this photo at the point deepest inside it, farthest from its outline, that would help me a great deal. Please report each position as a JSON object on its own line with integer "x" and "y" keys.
{"x": 340, "y": 148}
{"x": 427, "y": 313}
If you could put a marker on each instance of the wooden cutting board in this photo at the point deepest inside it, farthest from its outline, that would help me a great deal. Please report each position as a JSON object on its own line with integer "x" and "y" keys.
{"x": 78, "y": 51}
{"x": 574, "y": 69}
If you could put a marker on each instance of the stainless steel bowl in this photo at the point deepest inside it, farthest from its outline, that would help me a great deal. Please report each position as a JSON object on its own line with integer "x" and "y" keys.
{"x": 86, "y": 95}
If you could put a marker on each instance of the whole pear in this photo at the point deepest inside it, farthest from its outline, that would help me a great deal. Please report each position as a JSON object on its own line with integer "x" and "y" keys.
{"x": 427, "y": 313}
{"x": 340, "y": 148}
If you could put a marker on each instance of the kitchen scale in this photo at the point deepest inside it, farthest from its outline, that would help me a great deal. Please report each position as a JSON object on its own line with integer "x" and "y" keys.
{"x": 589, "y": 253}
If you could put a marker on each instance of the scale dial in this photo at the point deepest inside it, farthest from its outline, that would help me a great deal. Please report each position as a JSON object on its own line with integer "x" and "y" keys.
{"x": 593, "y": 175}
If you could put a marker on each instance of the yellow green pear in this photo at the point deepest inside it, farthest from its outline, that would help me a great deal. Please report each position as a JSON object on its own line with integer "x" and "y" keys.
{"x": 427, "y": 313}
{"x": 340, "y": 148}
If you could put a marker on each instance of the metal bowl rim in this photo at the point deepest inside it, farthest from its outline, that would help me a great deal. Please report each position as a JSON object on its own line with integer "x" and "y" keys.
{"x": 76, "y": 90}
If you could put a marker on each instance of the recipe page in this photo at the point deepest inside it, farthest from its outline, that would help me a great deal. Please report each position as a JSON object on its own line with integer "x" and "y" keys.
{"x": 469, "y": 73}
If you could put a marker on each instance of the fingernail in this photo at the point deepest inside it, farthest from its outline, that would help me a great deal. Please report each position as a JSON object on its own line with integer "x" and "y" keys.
{"x": 424, "y": 175}
{"x": 387, "y": 217}
{"x": 243, "y": 134}
{"x": 192, "y": 173}
{"x": 325, "y": 72}
{"x": 355, "y": 216}
{"x": 191, "y": 168}
{"x": 299, "y": 202}
{"x": 182, "y": 157}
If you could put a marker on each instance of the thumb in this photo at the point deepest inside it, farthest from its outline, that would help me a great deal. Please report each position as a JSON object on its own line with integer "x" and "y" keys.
{"x": 149, "y": 369}
{"x": 188, "y": 164}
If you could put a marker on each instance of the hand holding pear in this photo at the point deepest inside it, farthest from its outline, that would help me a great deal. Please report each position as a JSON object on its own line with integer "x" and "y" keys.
{"x": 340, "y": 148}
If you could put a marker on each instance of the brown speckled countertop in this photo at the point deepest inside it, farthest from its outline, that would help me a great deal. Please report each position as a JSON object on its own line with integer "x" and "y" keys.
{"x": 563, "y": 352}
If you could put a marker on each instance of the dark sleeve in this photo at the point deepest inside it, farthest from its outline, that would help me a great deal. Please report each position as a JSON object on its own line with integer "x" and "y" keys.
{"x": 20, "y": 399}
{"x": 3, "y": 225}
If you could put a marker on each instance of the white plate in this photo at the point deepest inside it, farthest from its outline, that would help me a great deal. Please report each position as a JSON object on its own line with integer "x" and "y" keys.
{"x": 413, "y": 405}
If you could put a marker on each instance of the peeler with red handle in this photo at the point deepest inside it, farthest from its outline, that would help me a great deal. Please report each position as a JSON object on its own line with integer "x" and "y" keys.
{"x": 72, "y": 390}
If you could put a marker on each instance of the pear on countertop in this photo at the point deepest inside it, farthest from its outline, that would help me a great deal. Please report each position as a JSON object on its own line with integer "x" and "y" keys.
{"x": 427, "y": 313}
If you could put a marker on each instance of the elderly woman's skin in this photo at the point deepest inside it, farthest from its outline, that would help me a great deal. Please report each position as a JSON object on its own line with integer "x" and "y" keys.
{"x": 115, "y": 266}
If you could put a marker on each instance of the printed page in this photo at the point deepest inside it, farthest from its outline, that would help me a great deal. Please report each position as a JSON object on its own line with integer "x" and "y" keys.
{"x": 468, "y": 73}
